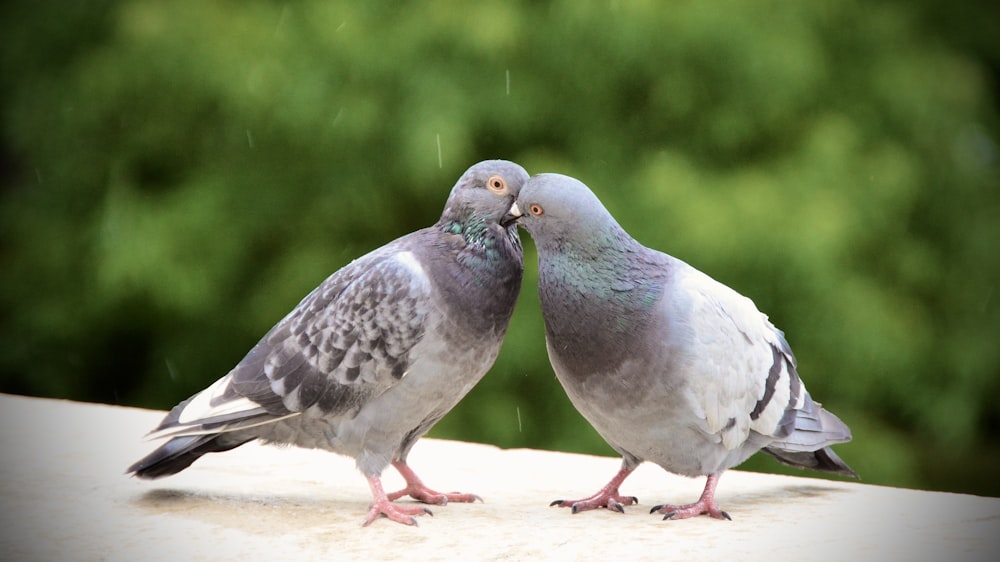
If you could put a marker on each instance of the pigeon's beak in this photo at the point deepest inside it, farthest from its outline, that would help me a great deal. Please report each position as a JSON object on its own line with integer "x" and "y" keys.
{"x": 512, "y": 215}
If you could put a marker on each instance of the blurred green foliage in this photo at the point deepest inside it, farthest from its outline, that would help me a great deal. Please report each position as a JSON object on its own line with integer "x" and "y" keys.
{"x": 175, "y": 176}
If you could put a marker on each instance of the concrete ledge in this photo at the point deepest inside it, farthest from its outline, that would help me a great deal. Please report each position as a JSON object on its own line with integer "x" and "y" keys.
{"x": 63, "y": 497}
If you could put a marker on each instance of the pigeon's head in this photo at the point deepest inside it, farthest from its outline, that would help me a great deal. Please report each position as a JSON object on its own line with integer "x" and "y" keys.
{"x": 555, "y": 209}
{"x": 485, "y": 191}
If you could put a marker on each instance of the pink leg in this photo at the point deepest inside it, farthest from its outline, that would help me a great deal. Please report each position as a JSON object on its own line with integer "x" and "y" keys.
{"x": 705, "y": 504}
{"x": 607, "y": 497}
{"x": 416, "y": 489}
{"x": 383, "y": 506}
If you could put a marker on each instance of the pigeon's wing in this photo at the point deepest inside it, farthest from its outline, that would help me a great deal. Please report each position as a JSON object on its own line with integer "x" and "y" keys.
{"x": 348, "y": 340}
{"x": 747, "y": 378}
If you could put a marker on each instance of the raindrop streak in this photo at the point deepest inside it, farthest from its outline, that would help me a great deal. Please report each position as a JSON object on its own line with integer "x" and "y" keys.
{"x": 170, "y": 369}
{"x": 518, "y": 410}
{"x": 438, "y": 136}
{"x": 508, "y": 81}
{"x": 249, "y": 138}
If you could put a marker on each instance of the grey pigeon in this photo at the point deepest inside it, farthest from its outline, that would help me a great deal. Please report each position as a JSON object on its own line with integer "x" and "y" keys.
{"x": 375, "y": 355}
{"x": 666, "y": 363}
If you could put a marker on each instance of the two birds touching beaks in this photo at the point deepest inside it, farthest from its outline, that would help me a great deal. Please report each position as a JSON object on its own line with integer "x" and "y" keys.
{"x": 668, "y": 365}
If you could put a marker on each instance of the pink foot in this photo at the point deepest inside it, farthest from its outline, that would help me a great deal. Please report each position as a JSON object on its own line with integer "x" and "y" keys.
{"x": 691, "y": 510}
{"x": 397, "y": 513}
{"x": 416, "y": 489}
{"x": 383, "y": 506}
{"x": 607, "y": 497}
{"x": 704, "y": 506}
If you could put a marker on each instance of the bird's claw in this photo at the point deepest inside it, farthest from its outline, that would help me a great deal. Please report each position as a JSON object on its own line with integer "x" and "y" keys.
{"x": 426, "y": 495}
{"x": 397, "y": 513}
{"x": 672, "y": 512}
{"x": 613, "y": 502}
{"x": 416, "y": 489}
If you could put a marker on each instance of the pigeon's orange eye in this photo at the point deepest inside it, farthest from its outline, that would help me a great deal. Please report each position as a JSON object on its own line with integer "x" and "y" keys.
{"x": 536, "y": 209}
{"x": 497, "y": 184}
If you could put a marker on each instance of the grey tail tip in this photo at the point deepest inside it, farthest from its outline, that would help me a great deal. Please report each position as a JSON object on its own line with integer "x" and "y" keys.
{"x": 178, "y": 454}
{"x": 824, "y": 460}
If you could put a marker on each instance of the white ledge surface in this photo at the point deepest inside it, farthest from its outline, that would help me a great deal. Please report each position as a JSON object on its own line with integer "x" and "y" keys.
{"x": 63, "y": 496}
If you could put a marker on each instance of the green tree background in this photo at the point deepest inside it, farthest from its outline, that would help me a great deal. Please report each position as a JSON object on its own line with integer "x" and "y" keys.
{"x": 176, "y": 175}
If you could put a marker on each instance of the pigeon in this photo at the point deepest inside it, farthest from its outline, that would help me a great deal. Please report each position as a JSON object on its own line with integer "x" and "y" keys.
{"x": 373, "y": 357}
{"x": 668, "y": 365}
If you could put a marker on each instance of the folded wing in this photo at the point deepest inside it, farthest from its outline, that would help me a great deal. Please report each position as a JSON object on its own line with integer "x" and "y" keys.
{"x": 348, "y": 340}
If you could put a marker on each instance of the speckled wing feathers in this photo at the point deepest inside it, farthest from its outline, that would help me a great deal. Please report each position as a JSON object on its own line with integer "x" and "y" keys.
{"x": 350, "y": 332}
{"x": 346, "y": 341}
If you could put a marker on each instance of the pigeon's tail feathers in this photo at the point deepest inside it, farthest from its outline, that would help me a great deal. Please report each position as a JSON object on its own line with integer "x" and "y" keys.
{"x": 178, "y": 453}
{"x": 214, "y": 420}
{"x": 808, "y": 444}
{"x": 215, "y": 426}
{"x": 218, "y": 408}
{"x": 823, "y": 459}
{"x": 810, "y": 428}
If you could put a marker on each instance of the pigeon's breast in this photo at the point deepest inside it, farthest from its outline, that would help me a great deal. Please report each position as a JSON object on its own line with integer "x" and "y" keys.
{"x": 477, "y": 295}
{"x": 594, "y": 326}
